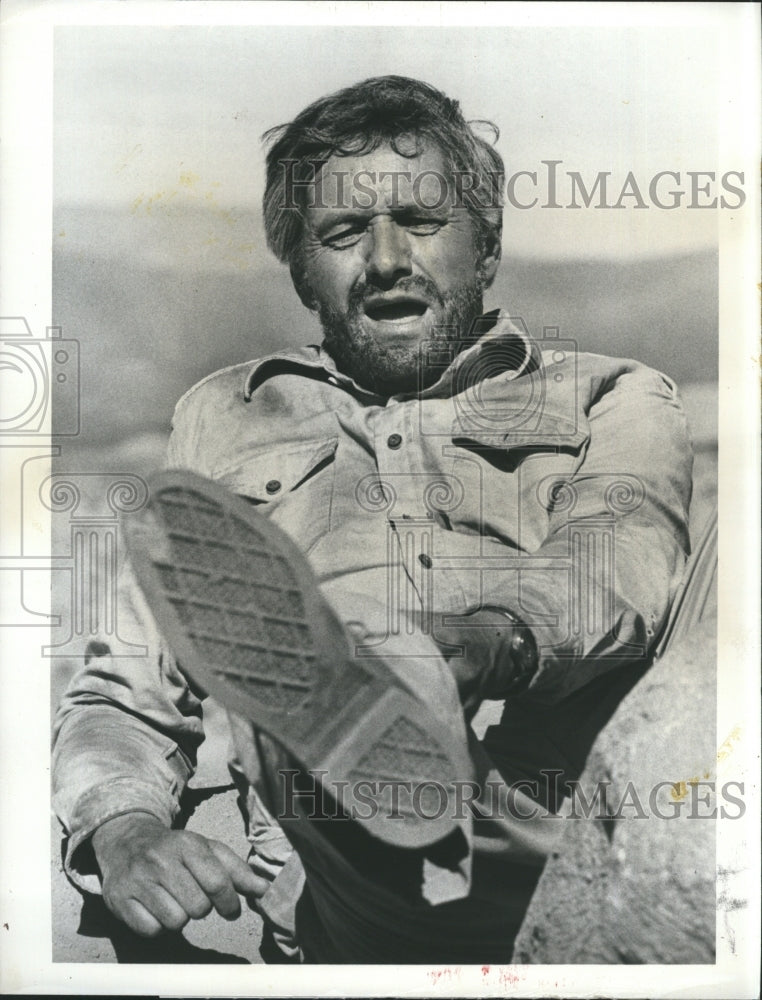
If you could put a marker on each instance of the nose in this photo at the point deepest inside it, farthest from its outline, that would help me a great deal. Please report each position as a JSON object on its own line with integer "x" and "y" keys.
{"x": 389, "y": 255}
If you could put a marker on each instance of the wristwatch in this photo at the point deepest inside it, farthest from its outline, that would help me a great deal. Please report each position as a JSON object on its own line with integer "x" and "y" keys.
{"x": 521, "y": 648}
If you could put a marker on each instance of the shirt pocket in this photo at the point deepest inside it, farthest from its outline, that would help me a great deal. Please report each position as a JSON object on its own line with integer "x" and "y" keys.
{"x": 502, "y": 475}
{"x": 293, "y": 481}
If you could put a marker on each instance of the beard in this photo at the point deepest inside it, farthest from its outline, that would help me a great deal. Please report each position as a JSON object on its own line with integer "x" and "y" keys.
{"x": 389, "y": 369}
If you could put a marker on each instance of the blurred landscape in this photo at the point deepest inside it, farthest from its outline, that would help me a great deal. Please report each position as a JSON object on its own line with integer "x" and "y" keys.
{"x": 158, "y": 298}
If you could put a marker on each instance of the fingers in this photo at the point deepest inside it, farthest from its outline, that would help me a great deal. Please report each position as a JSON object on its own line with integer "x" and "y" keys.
{"x": 210, "y": 874}
{"x": 243, "y": 878}
{"x": 148, "y": 910}
{"x": 184, "y": 888}
{"x": 163, "y": 906}
{"x": 170, "y": 877}
{"x": 137, "y": 918}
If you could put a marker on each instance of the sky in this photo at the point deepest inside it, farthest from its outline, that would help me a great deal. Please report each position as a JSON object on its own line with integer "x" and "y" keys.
{"x": 148, "y": 116}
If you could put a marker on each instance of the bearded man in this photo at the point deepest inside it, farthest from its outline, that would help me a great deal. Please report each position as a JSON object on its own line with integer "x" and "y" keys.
{"x": 357, "y": 544}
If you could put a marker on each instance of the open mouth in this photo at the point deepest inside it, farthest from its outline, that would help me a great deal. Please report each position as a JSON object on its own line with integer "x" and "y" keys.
{"x": 395, "y": 310}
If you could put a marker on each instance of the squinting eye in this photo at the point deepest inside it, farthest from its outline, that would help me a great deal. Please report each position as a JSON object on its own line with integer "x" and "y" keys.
{"x": 424, "y": 227}
{"x": 345, "y": 238}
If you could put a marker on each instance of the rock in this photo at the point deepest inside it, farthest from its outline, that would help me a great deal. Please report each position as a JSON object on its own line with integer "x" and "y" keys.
{"x": 635, "y": 882}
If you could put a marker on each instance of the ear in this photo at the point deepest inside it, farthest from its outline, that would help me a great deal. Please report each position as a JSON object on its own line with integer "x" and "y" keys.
{"x": 303, "y": 290}
{"x": 491, "y": 259}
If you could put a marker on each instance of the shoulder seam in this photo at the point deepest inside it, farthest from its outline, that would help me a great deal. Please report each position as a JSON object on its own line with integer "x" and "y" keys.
{"x": 243, "y": 366}
{"x": 209, "y": 378}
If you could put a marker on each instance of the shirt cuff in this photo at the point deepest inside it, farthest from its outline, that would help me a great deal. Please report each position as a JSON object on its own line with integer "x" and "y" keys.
{"x": 98, "y": 805}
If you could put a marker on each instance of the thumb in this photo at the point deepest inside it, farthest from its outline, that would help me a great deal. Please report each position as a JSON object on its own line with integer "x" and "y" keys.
{"x": 243, "y": 878}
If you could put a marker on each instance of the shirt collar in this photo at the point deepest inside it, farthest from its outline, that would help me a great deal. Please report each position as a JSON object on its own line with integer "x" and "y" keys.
{"x": 500, "y": 345}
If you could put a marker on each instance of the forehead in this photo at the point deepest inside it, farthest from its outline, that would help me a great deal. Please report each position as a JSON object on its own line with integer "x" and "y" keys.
{"x": 381, "y": 180}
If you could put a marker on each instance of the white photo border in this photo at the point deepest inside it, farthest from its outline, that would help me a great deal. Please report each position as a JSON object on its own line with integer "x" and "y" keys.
{"x": 26, "y": 61}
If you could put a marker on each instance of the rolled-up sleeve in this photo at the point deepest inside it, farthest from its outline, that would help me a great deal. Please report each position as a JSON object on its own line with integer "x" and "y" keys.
{"x": 125, "y": 735}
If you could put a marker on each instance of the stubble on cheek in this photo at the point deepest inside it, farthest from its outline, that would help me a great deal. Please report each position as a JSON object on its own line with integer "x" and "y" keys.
{"x": 390, "y": 368}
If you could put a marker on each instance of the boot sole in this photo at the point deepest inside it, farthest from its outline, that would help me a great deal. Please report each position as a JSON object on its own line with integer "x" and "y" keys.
{"x": 241, "y": 609}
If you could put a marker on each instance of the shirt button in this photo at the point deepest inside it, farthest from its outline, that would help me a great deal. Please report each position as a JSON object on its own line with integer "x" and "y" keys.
{"x": 272, "y": 486}
{"x": 424, "y": 560}
{"x": 394, "y": 440}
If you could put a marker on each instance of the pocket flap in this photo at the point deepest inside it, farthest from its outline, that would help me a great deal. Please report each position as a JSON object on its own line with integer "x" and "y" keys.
{"x": 511, "y": 429}
{"x": 532, "y": 411}
{"x": 269, "y": 474}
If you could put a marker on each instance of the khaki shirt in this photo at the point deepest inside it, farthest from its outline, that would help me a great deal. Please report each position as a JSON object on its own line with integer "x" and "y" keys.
{"x": 530, "y": 476}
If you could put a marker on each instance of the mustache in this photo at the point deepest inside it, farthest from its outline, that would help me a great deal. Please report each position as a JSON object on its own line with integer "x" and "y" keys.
{"x": 417, "y": 284}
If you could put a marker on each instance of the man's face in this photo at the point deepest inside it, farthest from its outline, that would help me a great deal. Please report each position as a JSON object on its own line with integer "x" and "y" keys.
{"x": 390, "y": 262}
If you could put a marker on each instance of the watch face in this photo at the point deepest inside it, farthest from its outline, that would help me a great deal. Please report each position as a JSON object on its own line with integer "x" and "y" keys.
{"x": 523, "y": 655}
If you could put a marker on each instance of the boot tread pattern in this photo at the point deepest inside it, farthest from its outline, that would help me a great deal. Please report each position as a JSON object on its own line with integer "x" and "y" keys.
{"x": 238, "y": 601}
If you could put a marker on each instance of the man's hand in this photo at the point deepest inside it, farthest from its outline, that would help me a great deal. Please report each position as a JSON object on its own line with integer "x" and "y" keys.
{"x": 500, "y": 655}
{"x": 156, "y": 879}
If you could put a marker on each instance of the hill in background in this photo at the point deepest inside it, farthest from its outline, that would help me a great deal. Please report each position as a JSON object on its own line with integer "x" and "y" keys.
{"x": 160, "y": 298}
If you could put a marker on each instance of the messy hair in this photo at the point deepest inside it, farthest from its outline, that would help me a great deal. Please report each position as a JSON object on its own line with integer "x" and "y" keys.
{"x": 406, "y": 114}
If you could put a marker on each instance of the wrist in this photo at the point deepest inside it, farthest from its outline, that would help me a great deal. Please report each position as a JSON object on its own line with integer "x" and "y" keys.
{"x": 519, "y": 654}
{"x": 118, "y": 828}
{"x": 500, "y": 652}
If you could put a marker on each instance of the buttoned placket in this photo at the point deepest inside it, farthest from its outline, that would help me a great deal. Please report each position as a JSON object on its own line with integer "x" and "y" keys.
{"x": 410, "y": 523}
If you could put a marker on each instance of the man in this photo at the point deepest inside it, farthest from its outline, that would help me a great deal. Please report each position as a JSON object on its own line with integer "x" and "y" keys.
{"x": 436, "y": 512}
